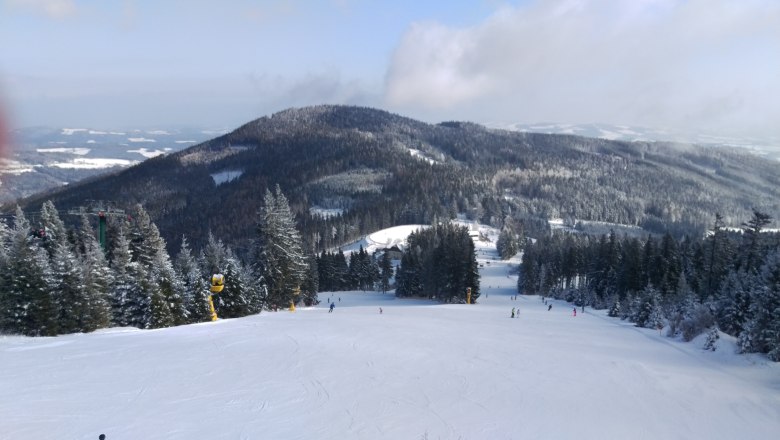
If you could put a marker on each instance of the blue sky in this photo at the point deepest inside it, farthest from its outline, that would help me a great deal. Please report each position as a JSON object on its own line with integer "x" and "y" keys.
{"x": 700, "y": 65}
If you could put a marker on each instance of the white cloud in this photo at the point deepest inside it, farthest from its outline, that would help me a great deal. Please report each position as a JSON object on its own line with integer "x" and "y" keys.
{"x": 705, "y": 64}
{"x": 57, "y": 9}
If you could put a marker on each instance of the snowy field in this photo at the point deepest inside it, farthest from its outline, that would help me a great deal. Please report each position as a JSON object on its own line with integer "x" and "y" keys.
{"x": 419, "y": 370}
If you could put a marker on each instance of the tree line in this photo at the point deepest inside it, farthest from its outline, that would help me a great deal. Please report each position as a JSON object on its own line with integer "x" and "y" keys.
{"x": 440, "y": 262}
{"x": 727, "y": 280}
{"x": 362, "y": 272}
{"x": 58, "y": 280}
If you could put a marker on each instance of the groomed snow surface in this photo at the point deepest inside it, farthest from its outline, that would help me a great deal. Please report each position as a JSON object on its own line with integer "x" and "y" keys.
{"x": 419, "y": 370}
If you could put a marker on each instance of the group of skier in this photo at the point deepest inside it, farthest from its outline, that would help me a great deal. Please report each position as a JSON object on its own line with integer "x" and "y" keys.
{"x": 516, "y": 313}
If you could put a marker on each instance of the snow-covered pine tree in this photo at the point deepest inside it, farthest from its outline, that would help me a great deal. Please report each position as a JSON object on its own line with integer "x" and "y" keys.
{"x": 279, "y": 256}
{"x": 160, "y": 310}
{"x": 214, "y": 257}
{"x": 734, "y": 301}
{"x": 614, "y": 311}
{"x": 97, "y": 278}
{"x": 68, "y": 289}
{"x": 54, "y": 228}
{"x": 26, "y": 305}
{"x": 644, "y": 307}
{"x": 148, "y": 248}
{"x": 130, "y": 301}
{"x": 682, "y": 311}
{"x": 762, "y": 331}
{"x": 752, "y": 241}
{"x": 171, "y": 288}
{"x": 67, "y": 283}
{"x": 507, "y": 243}
{"x": 711, "y": 344}
{"x": 235, "y": 298}
{"x": 196, "y": 288}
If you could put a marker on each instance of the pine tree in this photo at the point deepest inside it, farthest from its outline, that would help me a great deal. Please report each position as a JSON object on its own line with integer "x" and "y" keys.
{"x": 408, "y": 281}
{"x": 507, "y": 243}
{"x": 614, "y": 311}
{"x": 68, "y": 290}
{"x": 711, "y": 344}
{"x": 5, "y": 234}
{"x": 130, "y": 300}
{"x": 441, "y": 262}
{"x": 53, "y": 227}
{"x": 235, "y": 299}
{"x": 762, "y": 331}
{"x": 386, "y": 271}
{"x": 340, "y": 271}
{"x": 97, "y": 278}
{"x": 325, "y": 271}
{"x": 160, "y": 311}
{"x": 171, "y": 289}
{"x": 734, "y": 309}
{"x": 311, "y": 284}
{"x": 26, "y": 305}
{"x": 164, "y": 287}
{"x": 717, "y": 257}
{"x": 646, "y": 313}
{"x": 196, "y": 289}
{"x": 214, "y": 258}
{"x": 355, "y": 270}
{"x": 528, "y": 279}
{"x": 752, "y": 239}
{"x": 279, "y": 255}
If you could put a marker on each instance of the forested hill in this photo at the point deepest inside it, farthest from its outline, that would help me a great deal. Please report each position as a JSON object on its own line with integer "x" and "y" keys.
{"x": 381, "y": 169}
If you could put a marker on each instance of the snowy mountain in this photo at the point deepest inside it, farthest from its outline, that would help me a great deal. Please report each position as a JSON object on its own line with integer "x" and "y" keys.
{"x": 417, "y": 370}
{"x": 349, "y": 171}
{"x": 763, "y": 146}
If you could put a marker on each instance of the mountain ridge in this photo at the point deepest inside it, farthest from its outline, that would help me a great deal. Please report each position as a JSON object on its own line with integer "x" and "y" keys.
{"x": 382, "y": 169}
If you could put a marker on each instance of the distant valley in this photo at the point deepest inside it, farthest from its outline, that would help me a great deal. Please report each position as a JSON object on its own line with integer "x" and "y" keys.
{"x": 45, "y": 158}
{"x": 768, "y": 147}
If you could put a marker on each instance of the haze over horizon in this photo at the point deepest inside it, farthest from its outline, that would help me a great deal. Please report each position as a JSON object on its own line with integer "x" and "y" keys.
{"x": 692, "y": 65}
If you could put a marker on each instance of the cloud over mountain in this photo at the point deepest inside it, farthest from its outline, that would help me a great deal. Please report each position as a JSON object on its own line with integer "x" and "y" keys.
{"x": 700, "y": 64}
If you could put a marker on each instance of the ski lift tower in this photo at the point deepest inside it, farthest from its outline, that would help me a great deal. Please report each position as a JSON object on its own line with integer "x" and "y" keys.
{"x": 102, "y": 210}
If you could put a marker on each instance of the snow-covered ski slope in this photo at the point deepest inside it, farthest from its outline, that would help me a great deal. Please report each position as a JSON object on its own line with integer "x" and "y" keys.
{"x": 419, "y": 370}
{"x": 384, "y": 239}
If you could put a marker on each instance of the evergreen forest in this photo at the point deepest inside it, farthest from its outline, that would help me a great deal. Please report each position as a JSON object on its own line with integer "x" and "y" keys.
{"x": 726, "y": 279}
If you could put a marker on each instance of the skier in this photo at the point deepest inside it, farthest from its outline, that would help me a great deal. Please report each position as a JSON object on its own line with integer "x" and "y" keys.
{"x": 102, "y": 437}
{"x": 513, "y": 312}
{"x": 332, "y": 306}
{"x": 549, "y": 307}
{"x": 380, "y": 310}
{"x": 574, "y": 310}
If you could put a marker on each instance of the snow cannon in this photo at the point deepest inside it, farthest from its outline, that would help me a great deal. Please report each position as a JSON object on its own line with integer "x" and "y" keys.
{"x": 217, "y": 284}
{"x": 296, "y": 293}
